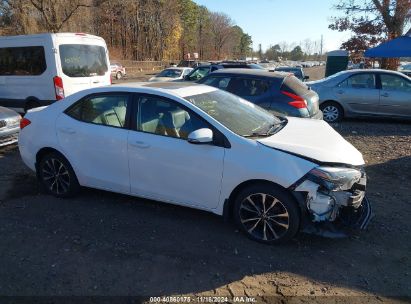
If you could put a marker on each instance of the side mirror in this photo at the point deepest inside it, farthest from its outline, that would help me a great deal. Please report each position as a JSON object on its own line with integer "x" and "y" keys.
{"x": 306, "y": 77}
{"x": 201, "y": 136}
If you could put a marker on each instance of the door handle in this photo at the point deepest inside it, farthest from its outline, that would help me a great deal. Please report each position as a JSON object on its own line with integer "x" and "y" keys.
{"x": 385, "y": 94}
{"x": 340, "y": 92}
{"x": 67, "y": 130}
{"x": 140, "y": 144}
{"x": 96, "y": 81}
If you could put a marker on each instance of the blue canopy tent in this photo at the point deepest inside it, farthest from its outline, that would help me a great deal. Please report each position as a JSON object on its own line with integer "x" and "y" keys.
{"x": 398, "y": 47}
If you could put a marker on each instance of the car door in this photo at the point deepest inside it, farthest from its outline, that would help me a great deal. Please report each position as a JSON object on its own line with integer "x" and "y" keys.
{"x": 163, "y": 164}
{"x": 93, "y": 135}
{"x": 359, "y": 93}
{"x": 395, "y": 95}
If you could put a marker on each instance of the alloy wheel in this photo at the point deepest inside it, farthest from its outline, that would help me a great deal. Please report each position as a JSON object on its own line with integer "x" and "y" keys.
{"x": 331, "y": 113}
{"x": 56, "y": 176}
{"x": 264, "y": 216}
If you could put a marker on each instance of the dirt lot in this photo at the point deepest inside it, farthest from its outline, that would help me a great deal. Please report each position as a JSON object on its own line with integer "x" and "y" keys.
{"x": 107, "y": 244}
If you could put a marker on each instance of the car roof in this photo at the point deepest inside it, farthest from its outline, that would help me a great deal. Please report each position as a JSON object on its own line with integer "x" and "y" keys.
{"x": 176, "y": 88}
{"x": 373, "y": 71}
{"x": 178, "y": 68}
{"x": 251, "y": 72}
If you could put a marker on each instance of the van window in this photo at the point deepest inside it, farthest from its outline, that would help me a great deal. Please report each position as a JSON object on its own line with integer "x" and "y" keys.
{"x": 80, "y": 60}
{"x": 22, "y": 61}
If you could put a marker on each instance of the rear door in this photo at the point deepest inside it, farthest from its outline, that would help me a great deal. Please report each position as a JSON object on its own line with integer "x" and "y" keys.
{"x": 359, "y": 93}
{"x": 255, "y": 90}
{"x": 395, "y": 95}
{"x": 83, "y": 64}
{"x": 93, "y": 135}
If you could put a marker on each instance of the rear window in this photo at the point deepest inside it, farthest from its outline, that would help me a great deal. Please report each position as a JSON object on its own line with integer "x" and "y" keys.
{"x": 247, "y": 86}
{"x": 80, "y": 60}
{"x": 293, "y": 85}
{"x": 22, "y": 61}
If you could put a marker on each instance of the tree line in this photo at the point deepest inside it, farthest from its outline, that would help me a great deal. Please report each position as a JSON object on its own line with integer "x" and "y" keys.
{"x": 133, "y": 29}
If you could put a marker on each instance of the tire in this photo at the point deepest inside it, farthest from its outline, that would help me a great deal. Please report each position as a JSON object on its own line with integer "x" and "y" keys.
{"x": 56, "y": 176}
{"x": 332, "y": 112}
{"x": 267, "y": 214}
{"x": 119, "y": 75}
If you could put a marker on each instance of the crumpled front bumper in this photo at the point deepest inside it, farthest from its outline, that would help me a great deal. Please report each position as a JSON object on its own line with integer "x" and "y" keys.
{"x": 333, "y": 213}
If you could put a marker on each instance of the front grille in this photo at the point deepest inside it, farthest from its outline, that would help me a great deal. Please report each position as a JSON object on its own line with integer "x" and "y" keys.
{"x": 9, "y": 139}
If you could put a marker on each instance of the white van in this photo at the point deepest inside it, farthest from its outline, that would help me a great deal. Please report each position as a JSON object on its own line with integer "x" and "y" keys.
{"x": 36, "y": 70}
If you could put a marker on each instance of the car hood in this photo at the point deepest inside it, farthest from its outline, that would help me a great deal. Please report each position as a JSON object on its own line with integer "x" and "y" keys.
{"x": 314, "y": 139}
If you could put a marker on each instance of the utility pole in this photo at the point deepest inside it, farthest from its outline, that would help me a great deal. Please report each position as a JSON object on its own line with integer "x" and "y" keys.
{"x": 321, "y": 47}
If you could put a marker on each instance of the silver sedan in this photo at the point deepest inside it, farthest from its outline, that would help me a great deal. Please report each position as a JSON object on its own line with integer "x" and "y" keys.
{"x": 358, "y": 93}
{"x": 9, "y": 126}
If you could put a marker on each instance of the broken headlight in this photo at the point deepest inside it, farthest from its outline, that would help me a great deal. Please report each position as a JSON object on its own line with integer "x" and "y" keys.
{"x": 335, "y": 178}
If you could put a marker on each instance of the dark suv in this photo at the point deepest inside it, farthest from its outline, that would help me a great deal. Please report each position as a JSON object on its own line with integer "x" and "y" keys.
{"x": 281, "y": 93}
{"x": 204, "y": 70}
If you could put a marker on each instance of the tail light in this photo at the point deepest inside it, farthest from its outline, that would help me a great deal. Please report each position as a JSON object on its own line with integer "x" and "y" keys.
{"x": 297, "y": 102}
{"x": 58, "y": 87}
{"x": 24, "y": 122}
{"x": 111, "y": 79}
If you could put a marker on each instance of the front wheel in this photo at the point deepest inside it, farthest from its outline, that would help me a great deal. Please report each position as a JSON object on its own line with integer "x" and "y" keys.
{"x": 56, "y": 176}
{"x": 332, "y": 112}
{"x": 267, "y": 214}
{"x": 119, "y": 75}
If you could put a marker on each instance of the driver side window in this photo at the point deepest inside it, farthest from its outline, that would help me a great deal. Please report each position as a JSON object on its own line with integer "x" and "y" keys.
{"x": 164, "y": 117}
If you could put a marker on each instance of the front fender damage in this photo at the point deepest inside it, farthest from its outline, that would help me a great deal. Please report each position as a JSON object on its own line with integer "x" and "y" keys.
{"x": 334, "y": 214}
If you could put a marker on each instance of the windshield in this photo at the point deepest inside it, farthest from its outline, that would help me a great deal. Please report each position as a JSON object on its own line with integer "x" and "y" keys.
{"x": 240, "y": 116}
{"x": 172, "y": 73}
{"x": 81, "y": 60}
{"x": 256, "y": 66}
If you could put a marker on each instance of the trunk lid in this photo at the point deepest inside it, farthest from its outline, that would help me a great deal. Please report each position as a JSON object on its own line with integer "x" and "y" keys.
{"x": 293, "y": 85}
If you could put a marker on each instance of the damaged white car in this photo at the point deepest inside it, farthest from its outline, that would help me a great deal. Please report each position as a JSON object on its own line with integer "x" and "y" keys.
{"x": 204, "y": 148}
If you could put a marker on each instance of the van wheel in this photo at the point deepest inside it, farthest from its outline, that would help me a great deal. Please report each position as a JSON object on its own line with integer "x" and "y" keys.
{"x": 267, "y": 214}
{"x": 119, "y": 75}
{"x": 56, "y": 176}
{"x": 332, "y": 111}
{"x": 30, "y": 105}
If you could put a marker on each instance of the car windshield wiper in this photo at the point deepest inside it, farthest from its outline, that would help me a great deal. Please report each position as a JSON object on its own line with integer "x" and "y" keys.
{"x": 273, "y": 128}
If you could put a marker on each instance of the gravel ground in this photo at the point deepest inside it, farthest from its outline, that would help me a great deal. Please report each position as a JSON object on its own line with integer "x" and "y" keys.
{"x": 101, "y": 243}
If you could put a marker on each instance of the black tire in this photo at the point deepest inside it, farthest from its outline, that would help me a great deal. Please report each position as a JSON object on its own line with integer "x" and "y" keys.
{"x": 280, "y": 221}
{"x": 56, "y": 176}
{"x": 119, "y": 75}
{"x": 332, "y": 111}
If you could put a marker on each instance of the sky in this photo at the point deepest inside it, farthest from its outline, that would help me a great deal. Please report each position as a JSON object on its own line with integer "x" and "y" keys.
{"x": 272, "y": 21}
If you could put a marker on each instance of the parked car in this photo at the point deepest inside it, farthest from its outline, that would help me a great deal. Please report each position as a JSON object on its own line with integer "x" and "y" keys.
{"x": 188, "y": 63}
{"x": 297, "y": 71}
{"x": 357, "y": 93}
{"x": 171, "y": 74}
{"x": 200, "y": 147}
{"x": 9, "y": 126}
{"x": 117, "y": 70}
{"x": 36, "y": 70}
{"x": 405, "y": 69}
{"x": 202, "y": 71}
{"x": 281, "y": 93}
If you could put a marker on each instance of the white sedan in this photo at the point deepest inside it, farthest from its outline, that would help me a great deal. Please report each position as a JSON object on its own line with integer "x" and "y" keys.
{"x": 201, "y": 147}
{"x": 171, "y": 74}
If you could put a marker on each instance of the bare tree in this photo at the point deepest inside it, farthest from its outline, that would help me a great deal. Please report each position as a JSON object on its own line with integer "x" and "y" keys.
{"x": 221, "y": 29}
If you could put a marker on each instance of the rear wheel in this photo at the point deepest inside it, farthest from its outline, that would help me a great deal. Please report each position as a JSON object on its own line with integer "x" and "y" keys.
{"x": 57, "y": 176}
{"x": 267, "y": 214}
{"x": 332, "y": 112}
{"x": 119, "y": 75}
